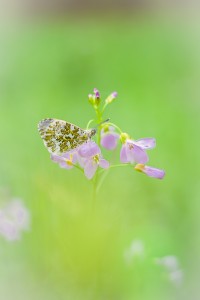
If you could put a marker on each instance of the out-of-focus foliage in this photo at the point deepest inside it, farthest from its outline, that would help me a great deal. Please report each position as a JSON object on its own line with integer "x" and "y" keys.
{"x": 47, "y": 70}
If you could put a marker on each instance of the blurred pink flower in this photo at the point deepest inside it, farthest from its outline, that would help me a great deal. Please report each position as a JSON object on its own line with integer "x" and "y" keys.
{"x": 14, "y": 218}
{"x": 109, "y": 138}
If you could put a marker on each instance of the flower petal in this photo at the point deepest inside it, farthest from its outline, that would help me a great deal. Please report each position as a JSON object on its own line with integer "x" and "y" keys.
{"x": 89, "y": 149}
{"x": 109, "y": 141}
{"x": 65, "y": 161}
{"x": 103, "y": 163}
{"x": 81, "y": 160}
{"x": 66, "y": 164}
{"x": 123, "y": 155}
{"x": 136, "y": 154}
{"x": 56, "y": 158}
{"x": 146, "y": 143}
{"x": 90, "y": 168}
{"x": 154, "y": 172}
{"x": 150, "y": 171}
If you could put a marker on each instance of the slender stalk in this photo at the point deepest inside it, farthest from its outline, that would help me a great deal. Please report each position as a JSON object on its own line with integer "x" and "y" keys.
{"x": 88, "y": 124}
{"x": 120, "y": 165}
{"x": 99, "y": 120}
{"x": 105, "y": 174}
{"x": 79, "y": 168}
{"x": 112, "y": 124}
{"x": 103, "y": 177}
{"x": 95, "y": 181}
{"x": 94, "y": 193}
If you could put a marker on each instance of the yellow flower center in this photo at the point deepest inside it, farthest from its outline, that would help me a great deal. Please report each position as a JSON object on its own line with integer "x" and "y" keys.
{"x": 69, "y": 161}
{"x": 139, "y": 167}
{"x": 96, "y": 158}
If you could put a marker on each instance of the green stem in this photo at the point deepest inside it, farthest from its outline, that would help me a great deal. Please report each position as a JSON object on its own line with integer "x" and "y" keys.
{"x": 95, "y": 181}
{"x": 94, "y": 195}
{"x": 79, "y": 168}
{"x": 120, "y": 165}
{"x": 103, "y": 177}
{"x": 99, "y": 120}
{"x": 106, "y": 171}
{"x": 104, "y": 107}
{"x": 112, "y": 124}
{"x": 88, "y": 124}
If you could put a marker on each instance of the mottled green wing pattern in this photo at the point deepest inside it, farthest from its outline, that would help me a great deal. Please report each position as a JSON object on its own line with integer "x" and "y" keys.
{"x": 60, "y": 136}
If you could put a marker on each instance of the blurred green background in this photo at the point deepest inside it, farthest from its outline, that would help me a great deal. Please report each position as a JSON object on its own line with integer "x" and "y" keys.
{"x": 48, "y": 67}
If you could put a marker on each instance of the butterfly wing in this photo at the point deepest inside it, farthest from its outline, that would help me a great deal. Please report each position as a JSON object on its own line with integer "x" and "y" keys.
{"x": 60, "y": 136}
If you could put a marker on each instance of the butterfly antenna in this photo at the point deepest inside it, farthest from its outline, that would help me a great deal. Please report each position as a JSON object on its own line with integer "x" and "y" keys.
{"x": 94, "y": 130}
{"x": 105, "y": 121}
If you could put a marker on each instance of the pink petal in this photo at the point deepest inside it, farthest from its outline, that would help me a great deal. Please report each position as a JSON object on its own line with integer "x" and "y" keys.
{"x": 154, "y": 172}
{"x": 136, "y": 154}
{"x": 56, "y": 158}
{"x": 62, "y": 160}
{"x": 81, "y": 160}
{"x": 65, "y": 165}
{"x": 109, "y": 141}
{"x": 150, "y": 171}
{"x": 103, "y": 163}
{"x": 90, "y": 168}
{"x": 89, "y": 149}
{"x": 71, "y": 155}
{"x": 146, "y": 143}
{"x": 123, "y": 156}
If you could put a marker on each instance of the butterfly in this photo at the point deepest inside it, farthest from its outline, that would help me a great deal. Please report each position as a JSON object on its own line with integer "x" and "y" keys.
{"x": 61, "y": 136}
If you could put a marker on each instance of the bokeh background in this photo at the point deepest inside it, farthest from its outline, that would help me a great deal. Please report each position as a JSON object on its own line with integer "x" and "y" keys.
{"x": 52, "y": 54}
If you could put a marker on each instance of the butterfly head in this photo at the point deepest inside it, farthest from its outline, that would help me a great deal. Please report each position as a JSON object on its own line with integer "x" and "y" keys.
{"x": 93, "y": 131}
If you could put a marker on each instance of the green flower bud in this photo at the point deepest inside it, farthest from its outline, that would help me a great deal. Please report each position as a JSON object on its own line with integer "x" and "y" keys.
{"x": 111, "y": 98}
{"x": 123, "y": 137}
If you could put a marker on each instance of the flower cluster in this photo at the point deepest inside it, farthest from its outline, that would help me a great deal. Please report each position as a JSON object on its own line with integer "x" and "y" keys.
{"x": 88, "y": 157}
{"x": 14, "y": 218}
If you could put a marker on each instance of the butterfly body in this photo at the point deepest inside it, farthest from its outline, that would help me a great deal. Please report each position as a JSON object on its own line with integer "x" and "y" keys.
{"x": 60, "y": 136}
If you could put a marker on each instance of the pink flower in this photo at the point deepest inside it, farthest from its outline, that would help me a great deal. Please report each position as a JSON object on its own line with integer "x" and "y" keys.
{"x": 90, "y": 159}
{"x": 66, "y": 160}
{"x": 150, "y": 171}
{"x": 94, "y": 98}
{"x": 14, "y": 218}
{"x": 96, "y": 93}
{"x": 109, "y": 138}
{"x": 134, "y": 151}
{"x": 111, "y": 98}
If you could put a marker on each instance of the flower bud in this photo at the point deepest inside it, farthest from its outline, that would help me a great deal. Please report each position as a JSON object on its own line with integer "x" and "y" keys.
{"x": 96, "y": 93}
{"x": 150, "y": 171}
{"x": 111, "y": 98}
{"x": 123, "y": 137}
{"x": 94, "y": 99}
{"x": 91, "y": 99}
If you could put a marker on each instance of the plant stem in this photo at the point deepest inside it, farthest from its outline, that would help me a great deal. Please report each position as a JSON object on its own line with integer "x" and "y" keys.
{"x": 106, "y": 171}
{"x": 120, "y": 165}
{"x": 103, "y": 177}
{"x": 99, "y": 120}
{"x": 88, "y": 124}
{"x": 79, "y": 168}
{"x": 112, "y": 124}
{"x": 94, "y": 194}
